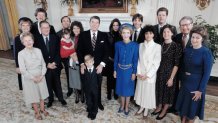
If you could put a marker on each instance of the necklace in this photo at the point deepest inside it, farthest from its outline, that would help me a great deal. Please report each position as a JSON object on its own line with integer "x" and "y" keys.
{"x": 163, "y": 52}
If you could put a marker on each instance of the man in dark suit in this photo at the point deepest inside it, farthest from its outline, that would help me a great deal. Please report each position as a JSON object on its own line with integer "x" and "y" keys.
{"x": 162, "y": 14}
{"x": 94, "y": 42}
{"x": 137, "y": 35}
{"x": 41, "y": 15}
{"x": 65, "y": 21}
{"x": 49, "y": 45}
{"x": 183, "y": 39}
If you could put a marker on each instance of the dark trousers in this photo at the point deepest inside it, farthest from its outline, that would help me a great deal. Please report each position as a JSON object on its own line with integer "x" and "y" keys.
{"x": 111, "y": 81}
{"x": 54, "y": 84}
{"x": 92, "y": 102}
{"x": 65, "y": 62}
{"x": 20, "y": 81}
{"x": 99, "y": 89}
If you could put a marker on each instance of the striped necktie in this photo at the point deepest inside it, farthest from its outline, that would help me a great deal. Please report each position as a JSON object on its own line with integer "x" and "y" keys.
{"x": 93, "y": 41}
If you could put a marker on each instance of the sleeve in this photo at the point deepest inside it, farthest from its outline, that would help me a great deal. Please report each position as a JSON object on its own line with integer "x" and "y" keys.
{"x": 177, "y": 55}
{"x": 57, "y": 57}
{"x": 116, "y": 56}
{"x": 52, "y": 30}
{"x": 156, "y": 62}
{"x": 23, "y": 68}
{"x": 135, "y": 58}
{"x": 44, "y": 69}
{"x": 207, "y": 66}
{"x": 79, "y": 50}
{"x": 16, "y": 53}
{"x": 106, "y": 50}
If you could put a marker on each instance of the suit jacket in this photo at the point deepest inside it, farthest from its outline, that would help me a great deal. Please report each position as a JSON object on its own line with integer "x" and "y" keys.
{"x": 140, "y": 38}
{"x": 100, "y": 52}
{"x": 178, "y": 40}
{"x": 34, "y": 30}
{"x": 53, "y": 55}
{"x": 158, "y": 38}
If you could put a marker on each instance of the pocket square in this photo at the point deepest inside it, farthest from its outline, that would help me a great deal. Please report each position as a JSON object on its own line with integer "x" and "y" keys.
{"x": 102, "y": 41}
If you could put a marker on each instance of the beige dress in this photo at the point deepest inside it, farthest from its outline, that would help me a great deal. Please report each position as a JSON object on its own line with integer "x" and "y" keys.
{"x": 31, "y": 63}
{"x": 148, "y": 64}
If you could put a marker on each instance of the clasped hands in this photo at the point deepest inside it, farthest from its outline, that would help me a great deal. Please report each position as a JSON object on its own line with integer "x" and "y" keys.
{"x": 51, "y": 65}
{"x": 99, "y": 68}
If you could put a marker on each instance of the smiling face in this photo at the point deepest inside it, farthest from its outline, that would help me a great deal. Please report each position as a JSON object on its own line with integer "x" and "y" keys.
{"x": 185, "y": 26}
{"x": 94, "y": 24}
{"x": 126, "y": 35}
{"x": 40, "y": 16}
{"x": 115, "y": 26}
{"x": 196, "y": 40}
{"x": 137, "y": 23}
{"x": 162, "y": 17}
{"x": 25, "y": 27}
{"x": 76, "y": 30}
{"x": 149, "y": 36}
{"x": 28, "y": 42}
{"x": 66, "y": 23}
{"x": 167, "y": 34}
{"x": 89, "y": 63}
{"x": 45, "y": 29}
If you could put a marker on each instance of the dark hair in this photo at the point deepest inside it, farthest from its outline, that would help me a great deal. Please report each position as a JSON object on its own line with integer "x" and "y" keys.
{"x": 40, "y": 10}
{"x": 112, "y": 22}
{"x": 148, "y": 28}
{"x": 201, "y": 30}
{"x": 95, "y": 17}
{"x": 137, "y": 15}
{"x": 65, "y": 32}
{"x": 25, "y": 19}
{"x": 162, "y": 9}
{"x": 65, "y": 17}
{"x": 40, "y": 24}
{"x": 170, "y": 27}
{"x": 78, "y": 24}
{"x": 186, "y": 18}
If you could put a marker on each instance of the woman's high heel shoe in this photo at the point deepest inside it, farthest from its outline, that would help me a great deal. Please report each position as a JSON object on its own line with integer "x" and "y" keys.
{"x": 44, "y": 112}
{"x": 38, "y": 116}
{"x": 155, "y": 113}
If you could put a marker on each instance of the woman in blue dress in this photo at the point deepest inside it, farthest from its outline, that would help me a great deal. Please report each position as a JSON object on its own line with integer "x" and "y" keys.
{"x": 196, "y": 68}
{"x": 125, "y": 65}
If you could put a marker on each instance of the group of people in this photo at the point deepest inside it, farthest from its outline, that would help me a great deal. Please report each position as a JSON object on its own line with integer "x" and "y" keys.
{"x": 153, "y": 66}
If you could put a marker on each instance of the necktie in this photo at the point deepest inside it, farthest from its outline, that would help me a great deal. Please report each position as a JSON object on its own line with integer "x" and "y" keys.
{"x": 184, "y": 39}
{"x": 47, "y": 43}
{"x": 90, "y": 70}
{"x": 160, "y": 29}
{"x": 93, "y": 41}
{"x": 135, "y": 36}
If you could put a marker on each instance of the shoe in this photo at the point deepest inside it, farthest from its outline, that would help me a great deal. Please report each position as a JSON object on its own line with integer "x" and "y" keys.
{"x": 120, "y": 110}
{"x": 93, "y": 117}
{"x": 101, "y": 107}
{"x": 44, "y": 112}
{"x": 38, "y": 116}
{"x": 63, "y": 102}
{"x": 160, "y": 118}
{"x": 89, "y": 115}
{"x": 144, "y": 117}
{"x": 69, "y": 93}
{"x": 49, "y": 104}
{"x": 136, "y": 114}
{"x": 155, "y": 113}
{"x": 126, "y": 113}
{"x": 77, "y": 98}
{"x": 115, "y": 96}
{"x": 82, "y": 98}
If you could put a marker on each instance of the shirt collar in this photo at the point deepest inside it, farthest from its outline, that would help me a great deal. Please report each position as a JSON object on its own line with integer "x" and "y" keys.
{"x": 148, "y": 44}
{"x": 91, "y": 68}
{"x": 96, "y": 33}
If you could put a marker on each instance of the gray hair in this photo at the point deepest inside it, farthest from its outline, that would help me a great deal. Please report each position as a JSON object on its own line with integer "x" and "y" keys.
{"x": 186, "y": 18}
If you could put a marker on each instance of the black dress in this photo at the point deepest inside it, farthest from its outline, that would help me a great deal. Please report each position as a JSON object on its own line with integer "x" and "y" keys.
{"x": 171, "y": 54}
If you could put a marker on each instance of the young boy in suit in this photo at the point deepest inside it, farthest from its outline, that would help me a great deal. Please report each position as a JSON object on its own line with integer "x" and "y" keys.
{"x": 90, "y": 79}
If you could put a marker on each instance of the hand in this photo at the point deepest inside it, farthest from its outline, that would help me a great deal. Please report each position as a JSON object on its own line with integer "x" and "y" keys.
{"x": 144, "y": 77}
{"x": 18, "y": 70}
{"x": 66, "y": 48}
{"x": 197, "y": 95}
{"x": 115, "y": 74}
{"x": 170, "y": 83}
{"x": 82, "y": 68}
{"x": 99, "y": 69}
{"x": 35, "y": 79}
{"x": 133, "y": 77}
{"x": 51, "y": 65}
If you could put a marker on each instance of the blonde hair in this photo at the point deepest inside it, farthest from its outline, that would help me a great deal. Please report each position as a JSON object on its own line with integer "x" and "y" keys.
{"x": 88, "y": 57}
{"x": 26, "y": 34}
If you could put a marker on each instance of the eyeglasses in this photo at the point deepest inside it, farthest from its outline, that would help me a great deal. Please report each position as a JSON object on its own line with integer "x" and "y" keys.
{"x": 183, "y": 25}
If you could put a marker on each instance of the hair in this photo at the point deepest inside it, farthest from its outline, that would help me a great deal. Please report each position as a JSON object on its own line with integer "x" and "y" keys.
{"x": 148, "y": 28}
{"x": 88, "y": 57}
{"x": 137, "y": 15}
{"x": 170, "y": 27}
{"x": 162, "y": 9}
{"x": 126, "y": 26}
{"x": 201, "y": 30}
{"x": 40, "y": 10}
{"x": 24, "y": 20}
{"x": 23, "y": 35}
{"x": 95, "y": 17}
{"x": 40, "y": 24}
{"x": 186, "y": 18}
{"x": 112, "y": 22}
{"x": 66, "y": 31}
{"x": 65, "y": 17}
{"x": 78, "y": 24}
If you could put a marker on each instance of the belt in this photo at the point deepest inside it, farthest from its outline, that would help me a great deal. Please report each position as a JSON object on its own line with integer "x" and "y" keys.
{"x": 124, "y": 67}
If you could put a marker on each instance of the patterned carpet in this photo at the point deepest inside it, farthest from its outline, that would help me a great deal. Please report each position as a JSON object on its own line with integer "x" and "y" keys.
{"x": 13, "y": 110}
